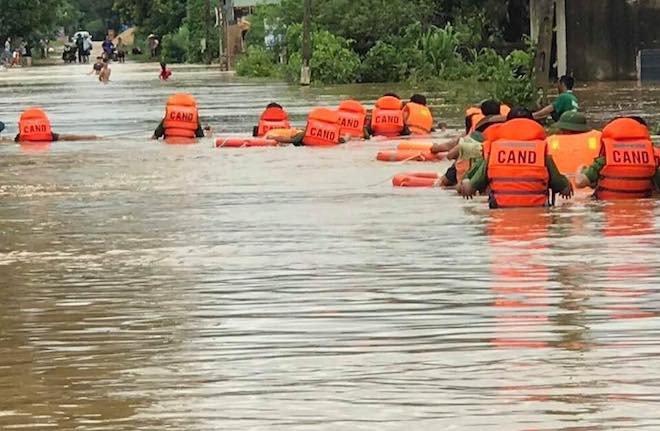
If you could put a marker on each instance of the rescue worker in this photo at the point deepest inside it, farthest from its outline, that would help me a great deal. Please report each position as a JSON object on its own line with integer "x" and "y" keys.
{"x": 466, "y": 151}
{"x": 516, "y": 168}
{"x": 627, "y": 167}
{"x": 417, "y": 116}
{"x": 352, "y": 119}
{"x": 387, "y": 117}
{"x": 574, "y": 143}
{"x": 565, "y": 102}
{"x": 273, "y": 117}
{"x": 181, "y": 119}
{"x": 322, "y": 130}
{"x": 475, "y": 114}
{"x": 34, "y": 126}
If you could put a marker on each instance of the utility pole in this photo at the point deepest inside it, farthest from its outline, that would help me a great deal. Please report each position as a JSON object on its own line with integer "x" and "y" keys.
{"x": 207, "y": 28}
{"x": 305, "y": 71}
{"x": 544, "y": 19}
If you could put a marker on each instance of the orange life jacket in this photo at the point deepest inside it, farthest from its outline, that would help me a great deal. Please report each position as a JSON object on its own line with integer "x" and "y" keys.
{"x": 474, "y": 115}
{"x": 322, "y": 128}
{"x": 419, "y": 120}
{"x": 181, "y": 116}
{"x": 352, "y": 116}
{"x": 387, "y": 117}
{"x": 517, "y": 172}
{"x": 630, "y": 162}
{"x": 34, "y": 126}
{"x": 572, "y": 151}
{"x": 272, "y": 118}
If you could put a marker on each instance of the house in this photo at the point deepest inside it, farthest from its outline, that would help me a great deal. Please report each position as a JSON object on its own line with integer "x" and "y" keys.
{"x": 602, "y": 39}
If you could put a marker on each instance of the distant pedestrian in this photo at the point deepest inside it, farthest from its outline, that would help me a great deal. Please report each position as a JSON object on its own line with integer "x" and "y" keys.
{"x": 165, "y": 73}
{"x": 80, "y": 47}
{"x": 6, "y": 53}
{"x": 104, "y": 74}
{"x": 121, "y": 50}
{"x": 108, "y": 48}
{"x": 87, "y": 48}
{"x": 153, "y": 43}
{"x": 28, "y": 54}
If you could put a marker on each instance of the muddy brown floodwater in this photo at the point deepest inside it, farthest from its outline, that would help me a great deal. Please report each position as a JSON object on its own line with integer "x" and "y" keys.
{"x": 157, "y": 287}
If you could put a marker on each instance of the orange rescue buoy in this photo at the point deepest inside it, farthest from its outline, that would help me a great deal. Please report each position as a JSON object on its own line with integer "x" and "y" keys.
{"x": 409, "y": 155}
{"x": 241, "y": 142}
{"x": 416, "y": 179}
{"x": 415, "y": 145}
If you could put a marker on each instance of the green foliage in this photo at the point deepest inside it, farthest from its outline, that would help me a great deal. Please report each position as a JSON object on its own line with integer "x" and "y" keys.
{"x": 175, "y": 46}
{"x": 333, "y": 62}
{"x": 382, "y": 63}
{"x": 196, "y": 22}
{"x": 512, "y": 82}
{"x": 257, "y": 62}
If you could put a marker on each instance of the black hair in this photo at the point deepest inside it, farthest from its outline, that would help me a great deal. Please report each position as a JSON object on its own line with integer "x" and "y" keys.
{"x": 490, "y": 107}
{"x": 639, "y": 119}
{"x": 567, "y": 81}
{"x": 274, "y": 105}
{"x": 391, "y": 95}
{"x": 482, "y": 128}
{"x": 420, "y": 99}
{"x": 520, "y": 112}
{"x": 163, "y": 65}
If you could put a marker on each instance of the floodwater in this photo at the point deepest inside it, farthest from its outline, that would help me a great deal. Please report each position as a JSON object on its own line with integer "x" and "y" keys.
{"x": 157, "y": 287}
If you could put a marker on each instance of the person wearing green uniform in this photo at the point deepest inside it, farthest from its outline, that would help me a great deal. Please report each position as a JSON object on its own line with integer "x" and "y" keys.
{"x": 565, "y": 102}
{"x": 589, "y": 176}
{"x": 476, "y": 180}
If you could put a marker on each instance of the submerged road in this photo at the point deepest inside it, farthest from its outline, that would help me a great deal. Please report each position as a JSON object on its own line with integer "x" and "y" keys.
{"x": 148, "y": 286}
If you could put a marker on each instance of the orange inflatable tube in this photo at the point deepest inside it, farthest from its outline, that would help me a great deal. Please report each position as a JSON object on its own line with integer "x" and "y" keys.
{"x": 244, "y": 142}
{"x": 409, "y": 155}
{"x": 416, "y": 179}
{"x": 415, "y": 145}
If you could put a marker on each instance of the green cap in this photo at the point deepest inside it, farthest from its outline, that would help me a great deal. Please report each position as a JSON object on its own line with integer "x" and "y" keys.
{"x": 572, "y": 121}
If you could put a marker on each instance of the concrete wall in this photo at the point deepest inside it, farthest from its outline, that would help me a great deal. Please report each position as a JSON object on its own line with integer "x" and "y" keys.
{"x": 604, "y": 36}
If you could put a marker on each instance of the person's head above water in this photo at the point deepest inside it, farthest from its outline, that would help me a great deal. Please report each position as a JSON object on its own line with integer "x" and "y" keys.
{"x": 566, "y": 83}
{"x": 420, "y": 99}
{"x": 639, "y": 119}
{"x": 520, "y": 112}
{"x": 490, "y": 107}
{"x": 163, "y": 66}
{"x": 274, "y": 105}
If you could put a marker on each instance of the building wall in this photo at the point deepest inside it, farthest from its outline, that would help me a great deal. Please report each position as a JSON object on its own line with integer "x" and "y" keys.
{"x": 604, "y": 36}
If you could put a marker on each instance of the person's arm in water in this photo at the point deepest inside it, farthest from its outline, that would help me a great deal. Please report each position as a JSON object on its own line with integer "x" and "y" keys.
{"x": 544, "y": 113}
{"x": 558, "y": 182}
{"x": 454, "y": 153}
{"x": 76, "y": 138}
{"x": 159, "y": 132}
{"x": 588, "y": 177}
{"x": 475, "y": 181}
{"x": 443, "y": 147}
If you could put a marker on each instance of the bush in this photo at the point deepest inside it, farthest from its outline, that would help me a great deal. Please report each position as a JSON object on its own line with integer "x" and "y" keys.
{"x": 175, "y": 46}
{"x": 381, "y": 64}
{"x": 257, "y": 62}
{"x": 513, "y": 82}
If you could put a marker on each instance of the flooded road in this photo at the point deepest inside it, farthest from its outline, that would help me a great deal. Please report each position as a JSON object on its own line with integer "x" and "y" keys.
{"x": 149, "y": 286}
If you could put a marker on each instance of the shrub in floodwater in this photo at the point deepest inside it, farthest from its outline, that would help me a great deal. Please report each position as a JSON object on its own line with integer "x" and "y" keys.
{"x": 257, "y": 62}
{"x": 175, "y": 46}
{"x": 512, "y": 81}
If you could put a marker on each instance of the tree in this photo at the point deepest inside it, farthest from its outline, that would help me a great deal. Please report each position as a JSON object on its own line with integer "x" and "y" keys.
{"x": 29, "y": 19}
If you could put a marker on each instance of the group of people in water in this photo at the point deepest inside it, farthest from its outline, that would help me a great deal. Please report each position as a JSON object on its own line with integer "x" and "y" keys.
{"x": 505, "y": 152}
